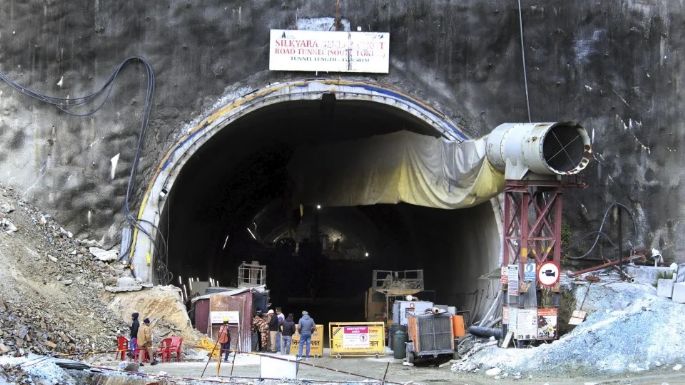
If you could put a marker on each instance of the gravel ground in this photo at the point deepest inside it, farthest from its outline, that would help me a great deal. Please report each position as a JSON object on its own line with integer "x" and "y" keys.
{"x": 628, "y": 330}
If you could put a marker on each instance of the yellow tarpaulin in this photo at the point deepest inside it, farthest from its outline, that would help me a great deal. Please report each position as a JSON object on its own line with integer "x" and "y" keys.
{"x": 398, "y": 167}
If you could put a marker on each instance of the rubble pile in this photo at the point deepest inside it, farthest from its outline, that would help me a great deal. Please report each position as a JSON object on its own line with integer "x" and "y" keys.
{"x": 163, "y": 305}
{"x": 52, "y": 296}
{"x": 628, "y": 329}
{"x": 14, "y": 374}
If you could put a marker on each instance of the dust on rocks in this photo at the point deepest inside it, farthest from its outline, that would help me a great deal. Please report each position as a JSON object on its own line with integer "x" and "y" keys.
{"x": 52, "y": 296}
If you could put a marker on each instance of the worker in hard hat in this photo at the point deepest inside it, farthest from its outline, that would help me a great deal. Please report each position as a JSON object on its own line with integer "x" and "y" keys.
{"x": 225, "y": 340}
{"x": 272, "y": 320}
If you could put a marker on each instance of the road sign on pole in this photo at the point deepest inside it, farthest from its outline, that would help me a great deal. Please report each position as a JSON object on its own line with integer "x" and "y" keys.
{"x": 548, "y": 275}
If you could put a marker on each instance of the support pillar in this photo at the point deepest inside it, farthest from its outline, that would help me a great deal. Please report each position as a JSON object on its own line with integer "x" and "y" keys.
{"x": 532, "y": 248}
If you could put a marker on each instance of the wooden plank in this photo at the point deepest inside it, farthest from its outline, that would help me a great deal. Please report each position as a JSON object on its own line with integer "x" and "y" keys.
{"x": 577, "y": 317}
{"x": 507, "y": 339}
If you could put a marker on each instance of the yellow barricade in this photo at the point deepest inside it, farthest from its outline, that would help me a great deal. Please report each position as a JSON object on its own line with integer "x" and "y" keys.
{"x": 357, "y": 338}
{"x": 317, "y": 343}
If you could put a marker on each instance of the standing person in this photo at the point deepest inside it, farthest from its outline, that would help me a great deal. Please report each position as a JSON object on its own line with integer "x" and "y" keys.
{"x": 133, "y": 337}
{"x": 145, "y": 342}
{"x": 272, "y": 319}
{"x": 262, "y": 329}
{"x": 281, "y": 319}
{"x": 225, "y": 340}
{"x": 307, "y": 327}
{"x": 287, "y": 331}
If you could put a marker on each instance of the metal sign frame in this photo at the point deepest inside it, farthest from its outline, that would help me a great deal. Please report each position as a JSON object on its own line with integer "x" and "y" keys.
{"x": 532, "y": 233}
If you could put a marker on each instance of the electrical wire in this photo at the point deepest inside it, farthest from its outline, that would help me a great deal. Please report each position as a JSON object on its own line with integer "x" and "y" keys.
{"x": 71, "y": 106}
{"x": 523, "y": 60}
{"x": 601, "y": 226}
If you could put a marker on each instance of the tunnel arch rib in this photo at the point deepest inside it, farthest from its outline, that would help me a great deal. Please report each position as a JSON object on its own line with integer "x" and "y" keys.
{"x": 142, "y": 252}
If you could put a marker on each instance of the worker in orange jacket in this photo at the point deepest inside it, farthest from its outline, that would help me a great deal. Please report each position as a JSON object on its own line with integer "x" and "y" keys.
{"x": 145, "y": 342}
{"x": 225, "y": 340}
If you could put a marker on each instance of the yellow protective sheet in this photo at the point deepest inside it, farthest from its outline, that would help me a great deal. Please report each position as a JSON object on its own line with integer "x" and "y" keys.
{"x": 397, "y": 167}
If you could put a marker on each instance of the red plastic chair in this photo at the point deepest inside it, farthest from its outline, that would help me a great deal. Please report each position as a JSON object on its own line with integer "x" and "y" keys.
{"x": 176, "y": 348}
{"x": 122, "y": 347}
{"x": 164, "y": 350}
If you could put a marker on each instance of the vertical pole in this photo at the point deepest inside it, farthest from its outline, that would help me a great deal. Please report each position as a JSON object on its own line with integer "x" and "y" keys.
{"x": 523, "y": 219}
{"x": 620, "y": 240}
{"x": 507, "y": 223}
{"x": 557, "y": 226}
{"x": 523, "y": 255}
{"x": 387, "y": 311}
{"x": 218, "y": 363}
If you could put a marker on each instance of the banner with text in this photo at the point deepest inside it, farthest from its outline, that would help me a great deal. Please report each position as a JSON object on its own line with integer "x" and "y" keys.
{"x": 357, "y": 338}
{"x": 329, "y": 51}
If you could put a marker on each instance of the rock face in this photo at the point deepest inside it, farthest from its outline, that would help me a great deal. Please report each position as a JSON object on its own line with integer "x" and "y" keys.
{"x": 162, "y": 305}
{"x": 613, "y": 66}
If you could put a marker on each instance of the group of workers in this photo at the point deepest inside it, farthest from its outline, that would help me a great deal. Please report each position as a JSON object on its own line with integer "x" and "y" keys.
{"x": 274, "y": 331}
{"x": 141, "y": 340}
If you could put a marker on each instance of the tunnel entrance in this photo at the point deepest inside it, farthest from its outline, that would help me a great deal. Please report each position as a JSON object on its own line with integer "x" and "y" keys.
{"x": 231, "y": 203}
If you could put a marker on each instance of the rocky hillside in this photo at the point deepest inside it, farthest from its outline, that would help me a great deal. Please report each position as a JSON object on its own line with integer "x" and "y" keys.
{"x": 52, "y": 288}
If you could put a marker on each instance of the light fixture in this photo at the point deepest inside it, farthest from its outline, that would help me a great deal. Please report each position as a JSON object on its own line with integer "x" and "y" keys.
{"x": 251, "y": 233}
{"x": 318, "y": 207}
{"x": 366, "y": 254}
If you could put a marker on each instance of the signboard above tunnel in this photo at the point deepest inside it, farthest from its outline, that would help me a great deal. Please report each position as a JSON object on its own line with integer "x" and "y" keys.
{"x": 329, "y": 51}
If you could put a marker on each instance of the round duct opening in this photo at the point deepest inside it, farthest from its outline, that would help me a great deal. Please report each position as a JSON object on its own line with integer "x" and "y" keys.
{"x": 566, "y": 148}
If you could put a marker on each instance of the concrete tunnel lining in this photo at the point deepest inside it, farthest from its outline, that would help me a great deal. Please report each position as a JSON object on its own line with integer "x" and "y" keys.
{"x": 366, "y": 94}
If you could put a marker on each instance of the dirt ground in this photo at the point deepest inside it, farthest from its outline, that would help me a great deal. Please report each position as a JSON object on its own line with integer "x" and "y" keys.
{"x": 247, "y": 368}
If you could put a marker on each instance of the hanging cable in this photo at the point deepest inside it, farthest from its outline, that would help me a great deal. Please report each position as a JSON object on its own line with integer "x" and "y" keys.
{"x": 71, "y": 106}
{"x": 601, "y": 226}
{"x": 523, "y": 60}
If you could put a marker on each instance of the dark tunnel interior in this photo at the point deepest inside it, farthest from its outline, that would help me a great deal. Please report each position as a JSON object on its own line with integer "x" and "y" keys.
{"x": 231, "y": 203}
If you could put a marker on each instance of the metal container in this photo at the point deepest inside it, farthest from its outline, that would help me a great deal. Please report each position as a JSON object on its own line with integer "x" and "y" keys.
{"x": 432, "y": 337}
{"x": 402, "y": 309}
{"x": 399, "y": 340}
{"x": 458, "y": 327}
{"x": 391, "y": 332}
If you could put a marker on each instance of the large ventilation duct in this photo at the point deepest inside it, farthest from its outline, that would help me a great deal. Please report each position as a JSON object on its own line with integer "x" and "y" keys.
{"x": 426, "y": 171}
{"x": 539, "y": 148}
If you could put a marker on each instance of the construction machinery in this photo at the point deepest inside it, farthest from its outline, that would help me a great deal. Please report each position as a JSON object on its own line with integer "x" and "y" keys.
{"x": 431, "y": 338}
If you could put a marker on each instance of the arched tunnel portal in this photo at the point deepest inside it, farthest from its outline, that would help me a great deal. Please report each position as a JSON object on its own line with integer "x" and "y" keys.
{"x": 223, "y": 196}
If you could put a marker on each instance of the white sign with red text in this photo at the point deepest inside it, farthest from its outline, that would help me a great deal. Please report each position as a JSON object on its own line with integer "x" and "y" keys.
{"x": 355, "y": 337}
{"x": 329, "y": 51}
